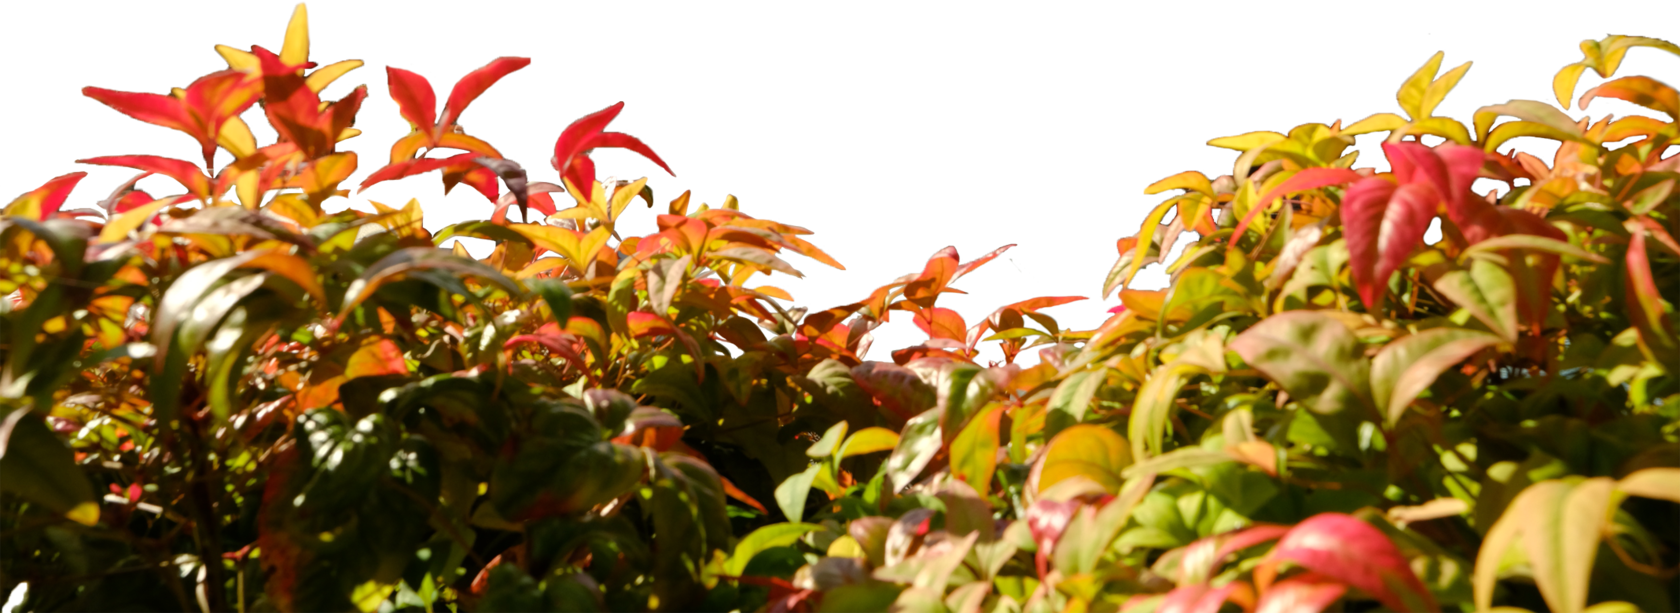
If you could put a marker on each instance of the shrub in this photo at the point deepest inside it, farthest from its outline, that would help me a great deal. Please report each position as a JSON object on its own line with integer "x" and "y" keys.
{"x": 234, "y": 399}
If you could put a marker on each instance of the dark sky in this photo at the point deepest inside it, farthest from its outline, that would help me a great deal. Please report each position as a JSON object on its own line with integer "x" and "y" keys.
{"x": 889, "y": 141}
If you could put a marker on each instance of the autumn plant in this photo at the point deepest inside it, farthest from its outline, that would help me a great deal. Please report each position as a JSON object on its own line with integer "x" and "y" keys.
{"x": 1447, "y": 385}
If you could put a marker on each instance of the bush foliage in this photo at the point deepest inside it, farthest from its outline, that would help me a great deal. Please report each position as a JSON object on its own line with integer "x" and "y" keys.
{"x": 234, "y": 399}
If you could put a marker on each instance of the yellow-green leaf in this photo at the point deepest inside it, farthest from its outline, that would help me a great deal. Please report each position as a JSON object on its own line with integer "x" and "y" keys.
{"x": 1245, "y": 142}
{"x": 1412, "y": 92}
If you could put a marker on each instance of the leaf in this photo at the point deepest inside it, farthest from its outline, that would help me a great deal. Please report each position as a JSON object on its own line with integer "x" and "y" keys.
{"x": 791, "y": 494}
{"x": 898, "y": 390}
{"x": 1536, "y": 112}
{"x": 1559, "y": 523}
{"x": 829, "y": 442}
{"x": 767, "y": 537}
{"x": 415, "y": 260}
{"x": 45, "y": 201}
{"x": 1188, "y": 180}
{"x": 756, "y": 257}
{"x": 571, "y": 149}
{"x": 664, "y": 279}
{"x": 1313, "y": 356}
{"x": 1408, "y": 366}
{"x": 1380, "y": 122}
{"x": 415, "y": 98}
{"x": 1439, "y": 88}
{"x": 938, "y": 322}
{"x": 1563, "y": 84}
{"x": 1343, "y": 548}
{"x": 974, "y": 450}
{"x": 867, "y": 441}
{"x": 1413, "y": 91}
{"x": 1071, "y": 399}
{"x": 1383, "y": 225}
{"x": 1487, "y": 291}
{"x": 1154, "y": 406}
{"x": 1307, "y": 179}
{"x": 184, "y": 293}
{"x": 376, "y": 356}
{"x": 1536, "y": 243}
{"x": 1085, "y": 450}
{"x": 1303, "y": 594}
{"x": 1246, "y": 142}
{"x": 40, "y": 469}
{"x": 180, "y": 170}
{"x": 1648, "y": 314}
{"x": 470, "y": 87}
{"x": 1643, "y": 91}
{"x": 1658, "y": 483}
{"x": 917, "y": 444}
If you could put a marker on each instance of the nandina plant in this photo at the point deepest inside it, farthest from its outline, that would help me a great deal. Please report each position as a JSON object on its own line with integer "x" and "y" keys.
{"x": 251, "y": 396}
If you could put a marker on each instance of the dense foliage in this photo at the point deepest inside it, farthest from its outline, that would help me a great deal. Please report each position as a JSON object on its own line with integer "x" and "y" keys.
{"x": 234, "y": 399}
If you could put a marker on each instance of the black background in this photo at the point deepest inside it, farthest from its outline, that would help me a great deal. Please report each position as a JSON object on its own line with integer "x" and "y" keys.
{"x": 889, "y": 138}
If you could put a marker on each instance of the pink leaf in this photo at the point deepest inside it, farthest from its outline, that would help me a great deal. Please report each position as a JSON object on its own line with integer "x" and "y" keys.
{"x": 1345, "y": 549}
{"x": 1307, "y": 593}
{"x": 1383, "y": 224}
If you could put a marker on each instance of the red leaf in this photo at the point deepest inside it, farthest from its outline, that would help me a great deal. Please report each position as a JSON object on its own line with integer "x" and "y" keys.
{"x": 1046, "y": 519}
{"x": 156, "y": 109}
{"x": 938, "y": 272}
{"x": 1308, "y": 178}
{"x": 643, "y": 325}
{"x": 940, "y": 322}
{"x": 1383, "y": 224}
{"x": 413, "y": 167}
{"x": 895, "y": 388}
{"x": 49, "y": 197}
{"x": 1345, "y": 549}
{"x": 572, "y": 148}
{"x": 967, "y": 267}
{"x": 1450, "y": 169}
{"x": 132, "y": 199}
{"x": 1646, "y": 301}
{"x": 470, "y": 87}
{"x": 415, "y": 98}
{"x": 213, "y": 99}
{"x": 180, "y": 170}
{"x": 470, "y": 172}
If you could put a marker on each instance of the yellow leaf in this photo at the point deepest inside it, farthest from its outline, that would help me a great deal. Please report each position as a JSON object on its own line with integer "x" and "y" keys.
{"x": 538, "y": 267}
{"x": 561, "y": 241}
{"x": 1412, "y": 91}
{"x": 1659, "y": 483}
{"x": 1380, "y": 122}
{"x": 348, "y": 134}
{"x": 621, "y": 197}
{"x": 86, "y": 513}
{"x": 325, "y": 75}
{"x": 296, "y": 48}
{"x": 1558, "y": 524}
{"x": 1246, "y": 142}
{"x": 1563, "y": 85}
{"x": 1085, "y": 450}
{"x": 1189, "y": 179}
{"x": 236, "y": 138}
{"x": 240, "y": 60}
{"x": 1444, "y": 127}
{"x": 1438, "y": 90}
{"x": 118, "y": 227}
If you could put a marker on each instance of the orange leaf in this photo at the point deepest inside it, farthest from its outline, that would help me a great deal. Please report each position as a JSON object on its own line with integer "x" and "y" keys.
{"x": 378, "y": 356}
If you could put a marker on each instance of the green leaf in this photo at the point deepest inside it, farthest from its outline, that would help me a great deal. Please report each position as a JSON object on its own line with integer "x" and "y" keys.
{"x": 873, "y": 596}
{"x": 1537, "y": 243}
{"x": 917, "y": 445}
{"x": 974, "y": 451}
{"x": 1154, "y": 406}
{"x": 768, "y": 537}
{"x": 39, "y": 468}
{"x": 791, "y": 494}
{"x": 1406, "y": 367}
{"x": 558, "y": 297}
{"x": 1488, "y": 292}
{"x": 829, "y": 442}
{"x": 1313, "y": 356}
{"x": 1071, "y": 399}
